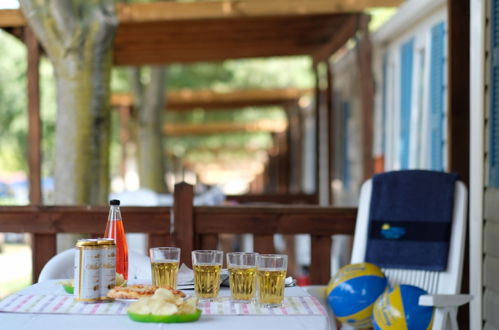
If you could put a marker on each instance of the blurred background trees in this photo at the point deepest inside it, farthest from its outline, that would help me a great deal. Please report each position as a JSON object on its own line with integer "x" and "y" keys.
{"x": 220, "y": 77}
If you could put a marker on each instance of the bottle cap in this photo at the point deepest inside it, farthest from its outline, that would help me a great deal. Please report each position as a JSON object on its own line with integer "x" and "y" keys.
{"x": 114, "y": 202}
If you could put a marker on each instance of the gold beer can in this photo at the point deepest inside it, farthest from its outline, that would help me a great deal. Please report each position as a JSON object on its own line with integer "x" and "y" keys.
{"x": 87, "y": 271}
{"x": 108, "y": 266}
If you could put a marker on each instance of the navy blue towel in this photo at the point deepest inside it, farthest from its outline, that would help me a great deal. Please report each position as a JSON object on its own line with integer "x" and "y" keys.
{"x": 410, "y": 219}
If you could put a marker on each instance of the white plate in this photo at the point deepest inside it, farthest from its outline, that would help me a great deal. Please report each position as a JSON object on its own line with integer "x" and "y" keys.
{"x": 187, "y": 296}
{"x": 126, "y": 300}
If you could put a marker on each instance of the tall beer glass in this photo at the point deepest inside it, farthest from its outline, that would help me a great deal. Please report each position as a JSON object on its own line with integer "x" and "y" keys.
{"x": 207, "y": 265}
{"x": 271, "y": 273}
{"x": 164, "y": 266}
{"x": 242, "y": 276}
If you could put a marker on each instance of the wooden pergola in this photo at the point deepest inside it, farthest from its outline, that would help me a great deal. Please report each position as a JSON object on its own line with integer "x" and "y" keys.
{"x": 45, "y": 222}
{"x": 169, "y": 32}
{"x": 186, "y": 100}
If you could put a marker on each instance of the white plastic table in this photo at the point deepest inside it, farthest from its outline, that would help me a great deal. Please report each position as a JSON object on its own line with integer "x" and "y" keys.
{"x": 32, "y": 321}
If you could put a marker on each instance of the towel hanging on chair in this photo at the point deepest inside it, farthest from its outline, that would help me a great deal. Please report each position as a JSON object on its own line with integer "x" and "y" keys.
{"x": 410, "y": 219}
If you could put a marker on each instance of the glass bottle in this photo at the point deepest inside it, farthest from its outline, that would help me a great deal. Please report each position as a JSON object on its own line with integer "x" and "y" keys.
{"x": 116, "y": 231}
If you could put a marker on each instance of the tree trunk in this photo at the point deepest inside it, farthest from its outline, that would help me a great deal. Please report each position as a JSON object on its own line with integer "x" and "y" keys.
{"x": 150, "y": 104}
{"x": 78, "y": 38}
{"x": 82, "y": 136}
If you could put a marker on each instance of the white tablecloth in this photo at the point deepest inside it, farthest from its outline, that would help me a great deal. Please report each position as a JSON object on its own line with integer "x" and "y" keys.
{"x": 29, "y": 321}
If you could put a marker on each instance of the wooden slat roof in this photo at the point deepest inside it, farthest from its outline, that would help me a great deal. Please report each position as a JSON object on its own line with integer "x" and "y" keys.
{"x": 188, "y": 99}
{"x": 167, "y": 32}
{"x": 263, "y": 125}
{"x": 226, "y": 38}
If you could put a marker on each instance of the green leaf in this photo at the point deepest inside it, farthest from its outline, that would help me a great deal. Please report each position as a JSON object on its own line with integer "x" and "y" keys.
{"x": 175, "y": 318}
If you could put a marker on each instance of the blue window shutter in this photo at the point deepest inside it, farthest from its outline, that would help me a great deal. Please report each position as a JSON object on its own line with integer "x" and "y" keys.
{"x": 436, "y": 105}
{"x": 345, "y": 163}
{"x": 494, "y": 95}
{"x": 406, "y": 54}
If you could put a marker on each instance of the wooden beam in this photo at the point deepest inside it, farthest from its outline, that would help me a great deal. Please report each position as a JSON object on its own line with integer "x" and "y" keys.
{"x": 188, "y": 99}
{"x": 11, "y": 18}
{"x": 80, "y": 219}
{"x": 295, "y": 199}
{"x": 34, "y": 123}
{"x": 263, "y": 125}
{"x": 338, "y": 39}
{"x": 209, "y": 40}
{"x": 288, "y": 219}
{"x": 160, "y": 11}
{"x": 168, "y": 11}
{"x": 364, "y": 56}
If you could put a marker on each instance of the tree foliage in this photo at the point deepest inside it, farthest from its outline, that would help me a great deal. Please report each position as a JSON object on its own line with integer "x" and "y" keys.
{"x": 224, "y": 76}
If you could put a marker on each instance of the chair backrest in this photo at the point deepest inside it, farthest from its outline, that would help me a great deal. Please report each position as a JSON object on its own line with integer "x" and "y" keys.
{"x": 61, "y": 266}
{"x": 444, "y": 282}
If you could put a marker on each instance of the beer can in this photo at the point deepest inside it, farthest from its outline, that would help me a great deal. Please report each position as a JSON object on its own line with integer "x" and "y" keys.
{"x": 87, "y": 271}
{"x": 108, "y": 266}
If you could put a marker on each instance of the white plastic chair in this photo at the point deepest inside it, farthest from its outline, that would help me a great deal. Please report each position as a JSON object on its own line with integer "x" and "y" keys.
{"x": 61, "y": 266}
{"x": 443, "y": 287}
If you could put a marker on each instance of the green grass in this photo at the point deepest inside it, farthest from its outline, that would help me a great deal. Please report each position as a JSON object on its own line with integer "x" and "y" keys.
{"x": 15, "y": 265}
{"x": 8, "y": 287}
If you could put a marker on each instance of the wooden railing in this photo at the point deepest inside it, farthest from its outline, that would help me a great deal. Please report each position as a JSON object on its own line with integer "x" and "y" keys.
{"x": 186, "y": 226}
{"x": 44, "y": 222}
{"x": 201, "y": 227}
{"x": 276, "y": 198}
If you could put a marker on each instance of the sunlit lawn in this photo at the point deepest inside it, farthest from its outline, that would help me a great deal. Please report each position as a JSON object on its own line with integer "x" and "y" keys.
{"x": 15, "y": 268}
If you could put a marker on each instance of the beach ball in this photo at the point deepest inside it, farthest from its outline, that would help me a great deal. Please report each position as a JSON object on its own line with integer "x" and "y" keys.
{"x": 398, "y": 308}
{"x": 353, "y": 291}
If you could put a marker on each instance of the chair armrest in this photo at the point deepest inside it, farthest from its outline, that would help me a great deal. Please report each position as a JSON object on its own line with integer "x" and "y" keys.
{"x": 444, "y": 300}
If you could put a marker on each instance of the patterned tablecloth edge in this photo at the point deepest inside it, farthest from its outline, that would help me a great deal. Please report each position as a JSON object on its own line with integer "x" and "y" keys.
{"x": 64, "y": 304}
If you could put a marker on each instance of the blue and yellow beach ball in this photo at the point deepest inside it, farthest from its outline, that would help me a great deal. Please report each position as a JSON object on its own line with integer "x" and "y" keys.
{"x": 353, "y": 291}
{"x": 398, "y": 308}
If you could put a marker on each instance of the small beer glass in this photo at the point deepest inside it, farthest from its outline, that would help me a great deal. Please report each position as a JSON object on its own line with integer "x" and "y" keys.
{"x": 271, "y": 273}
{"x": 164, "y": 266}
{"x": 242, "y": 276}
{"x": 207, "y": 265}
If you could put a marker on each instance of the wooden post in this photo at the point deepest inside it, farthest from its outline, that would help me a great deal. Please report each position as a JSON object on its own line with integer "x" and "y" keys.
{"x": 272, "y": 170}
{"x": 459, "y": 113}
{"x": 364, "y": 56}
{"x": 283, "y": 162}
{"x": 43, "y": 248}
{"x": 263, "y": 243}
{"x": 43, "y": 245}
{"x": 182, "y": 221}
{"x": 34, "y": 125}
{"x": 124, "y": 119}
{"x": 294, "y": 141}
{"x": 458, "y": 80}
{"x": 158, "y": 240}
{"x": 317, "y": 131}
{"x": 330, "y": 130}
{"x": 321, "y": 246}
{"x": 300, "y": 141}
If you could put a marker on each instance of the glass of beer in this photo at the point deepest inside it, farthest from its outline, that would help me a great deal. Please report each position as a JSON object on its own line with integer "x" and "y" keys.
{"x": 164, "y": 266}
{"x": 207, "y": 265}
{"x": 242, "y": 276}
{"x": 271, "y": 273}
